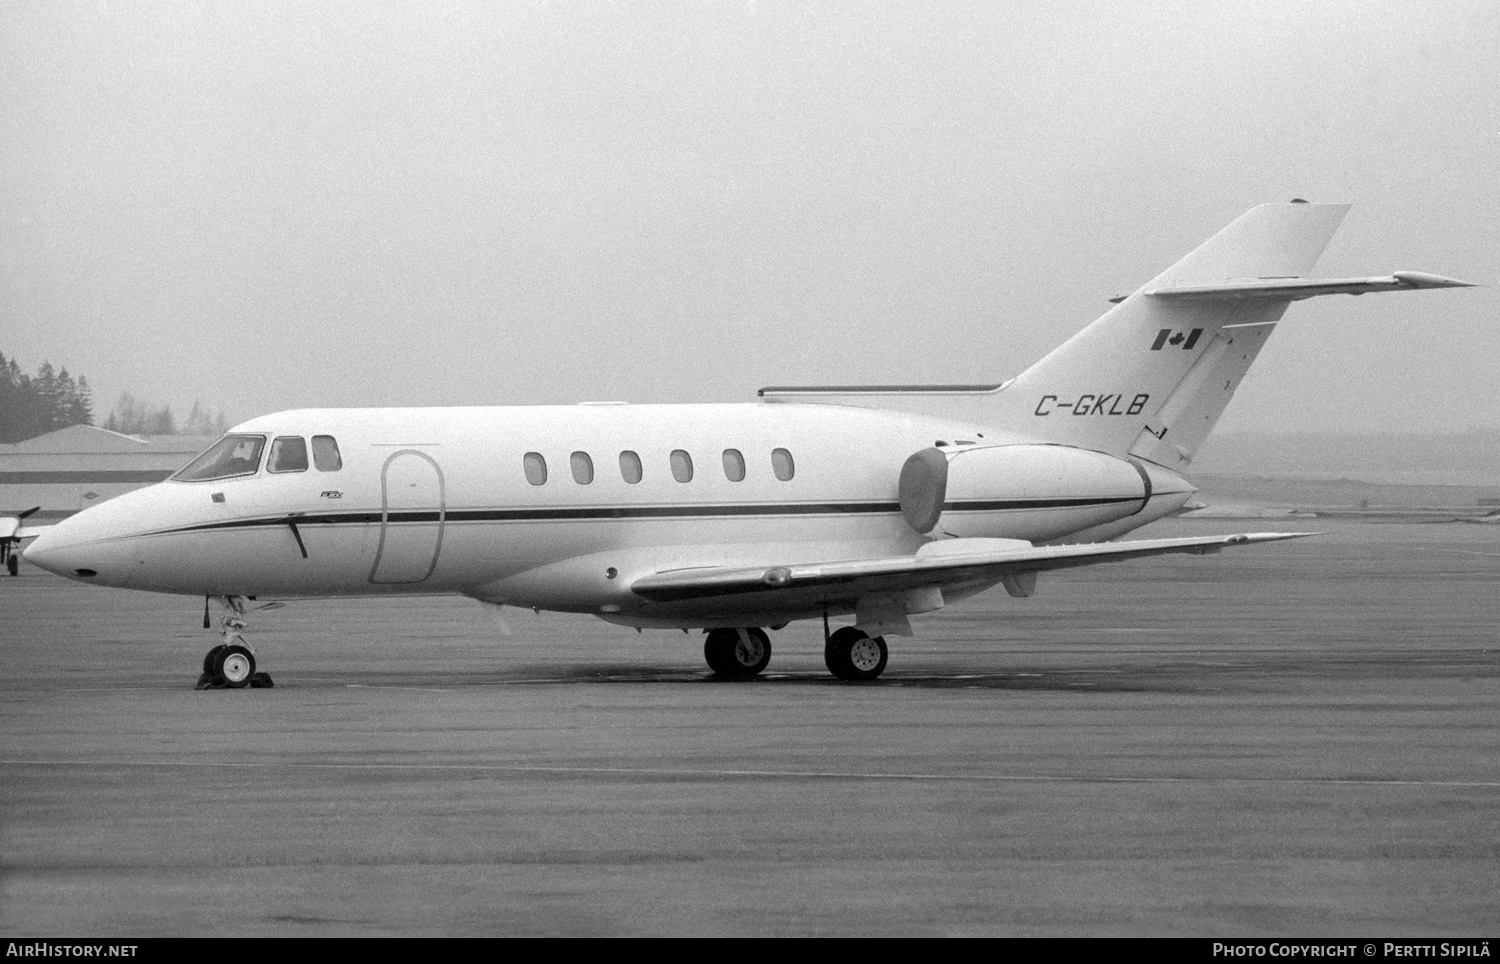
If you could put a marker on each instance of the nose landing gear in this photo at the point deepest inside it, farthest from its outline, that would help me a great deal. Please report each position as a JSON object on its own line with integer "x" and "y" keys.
{"x": 231, "y": 664}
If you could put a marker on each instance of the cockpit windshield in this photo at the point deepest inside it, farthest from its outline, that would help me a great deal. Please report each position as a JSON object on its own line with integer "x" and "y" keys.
{"x": 230, "y": 456}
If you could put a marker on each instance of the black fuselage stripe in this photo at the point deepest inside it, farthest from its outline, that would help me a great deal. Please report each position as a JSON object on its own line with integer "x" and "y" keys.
{"x": 1010, "y": 504}
{"x": 602, "y": 513}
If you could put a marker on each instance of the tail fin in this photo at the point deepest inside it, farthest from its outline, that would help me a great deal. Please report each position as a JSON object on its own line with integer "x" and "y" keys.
{"x": 1152, "y": 375}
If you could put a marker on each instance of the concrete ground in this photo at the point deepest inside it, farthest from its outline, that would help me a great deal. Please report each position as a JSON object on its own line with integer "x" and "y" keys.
{"x": 1287, "y": 740}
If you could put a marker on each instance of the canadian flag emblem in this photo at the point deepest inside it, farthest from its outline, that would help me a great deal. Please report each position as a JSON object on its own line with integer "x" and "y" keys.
{"x": 1178, "y": 339}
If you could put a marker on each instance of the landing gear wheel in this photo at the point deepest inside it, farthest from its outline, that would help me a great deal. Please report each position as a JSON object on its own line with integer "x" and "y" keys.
{"x": 210, "y": 657}
{"x": 751, "y": 653}
{"x": 732, "y": 655}
{"x": 716, "y": 652}
{"x": 235, "y": 666}
{"x": 853, "y": 656}
{"x": 231, "y": 664}
{"x": 13, "y": 564}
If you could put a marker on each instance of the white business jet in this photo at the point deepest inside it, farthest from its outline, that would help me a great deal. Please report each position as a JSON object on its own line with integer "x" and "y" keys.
{"x": 880, "y": 502}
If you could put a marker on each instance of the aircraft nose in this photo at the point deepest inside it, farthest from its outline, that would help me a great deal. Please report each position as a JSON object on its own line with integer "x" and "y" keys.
{"x": 52, "y": 552}
{"x": 59, "y": 551}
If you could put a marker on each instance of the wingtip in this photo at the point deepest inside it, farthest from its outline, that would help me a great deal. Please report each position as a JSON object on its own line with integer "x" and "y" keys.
{"x": 1245, "y": 537}
{"x": 1422, "y": 279}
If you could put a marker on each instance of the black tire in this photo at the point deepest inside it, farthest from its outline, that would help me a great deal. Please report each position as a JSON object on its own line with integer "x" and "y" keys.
{"x": 13, "y": 564}
{"x": 210, "y": 659}
{"x": 714, "y": 652}
{"x": 731, "y": 657}
{"x": 855, "y": 657}
{"x": 235, "y": 666}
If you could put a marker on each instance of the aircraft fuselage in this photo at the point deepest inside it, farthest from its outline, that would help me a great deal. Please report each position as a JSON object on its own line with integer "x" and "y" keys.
{"x": 562, "y": 507}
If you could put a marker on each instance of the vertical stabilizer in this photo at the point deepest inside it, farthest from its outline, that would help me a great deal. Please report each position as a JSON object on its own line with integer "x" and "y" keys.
{"x": 1152, "y": 375}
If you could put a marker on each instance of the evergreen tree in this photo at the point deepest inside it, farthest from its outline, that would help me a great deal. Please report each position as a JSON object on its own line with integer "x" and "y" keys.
{"x": 83, "y": 403}
{"x": 162, "y": 422}
{"x": 125, "y": 418}
{"x": 201, "y": 421}
{"x": 49, "y": 394}
{"x": 54, "y": 399}
{"x": 32, "y": 406}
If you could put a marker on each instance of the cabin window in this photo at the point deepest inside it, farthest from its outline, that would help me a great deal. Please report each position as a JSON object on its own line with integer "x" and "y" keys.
{"x": 326, "y": 456}
{"x": 288, "y": 454}
{"x": 536, "y": 468}
{"x": 630, "y": 467}
{"x": 782, "y": 464}
{"x": 682, "y": 466}
{"x": 230, "y": 456}
{"x": 734, "y": 465}
{"x": 583, "y": 468}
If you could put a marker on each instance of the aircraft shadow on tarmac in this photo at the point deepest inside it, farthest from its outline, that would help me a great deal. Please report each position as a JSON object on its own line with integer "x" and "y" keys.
{"x": 1094, "y": 679}
{"x": 1266, "y": 671}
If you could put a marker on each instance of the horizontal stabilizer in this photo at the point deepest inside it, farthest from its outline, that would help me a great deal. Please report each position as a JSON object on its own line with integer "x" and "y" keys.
{"x": 936, "y": 564}
{"x": 1295, "y": 289}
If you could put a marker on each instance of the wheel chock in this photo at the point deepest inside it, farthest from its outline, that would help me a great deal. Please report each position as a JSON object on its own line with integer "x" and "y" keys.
{"x": 257, "y": 681}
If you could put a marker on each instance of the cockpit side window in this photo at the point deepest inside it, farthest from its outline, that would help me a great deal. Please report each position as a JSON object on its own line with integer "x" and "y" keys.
{"x": 326, "y": 453}
{"x": 230, "y": 456}
{"x": 288, "y": 454}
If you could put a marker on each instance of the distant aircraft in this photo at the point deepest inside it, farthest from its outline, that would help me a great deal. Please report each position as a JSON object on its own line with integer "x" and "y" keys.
{"x": 12, "y": 533}
{"x": 814, "y": 503}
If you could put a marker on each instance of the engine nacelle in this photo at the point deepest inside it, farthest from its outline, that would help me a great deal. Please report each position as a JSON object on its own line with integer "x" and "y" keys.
{"x": 1033, "y": 492}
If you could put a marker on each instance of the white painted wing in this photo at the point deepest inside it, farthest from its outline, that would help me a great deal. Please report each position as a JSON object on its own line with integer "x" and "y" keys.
{"x": 947, "y": 562}
{"x": 12, "y": 529}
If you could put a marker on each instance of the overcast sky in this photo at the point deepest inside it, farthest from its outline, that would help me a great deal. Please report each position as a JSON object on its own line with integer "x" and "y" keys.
{"x": 276, "y": 205}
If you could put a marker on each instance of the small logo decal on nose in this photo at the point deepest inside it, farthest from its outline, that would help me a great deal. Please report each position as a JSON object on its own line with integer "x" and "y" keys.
{"x": 218, "y": 497}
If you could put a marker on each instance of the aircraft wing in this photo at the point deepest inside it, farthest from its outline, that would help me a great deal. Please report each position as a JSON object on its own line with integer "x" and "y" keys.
{"x": 13, "y": 529}
{"x": 946, "y": 562}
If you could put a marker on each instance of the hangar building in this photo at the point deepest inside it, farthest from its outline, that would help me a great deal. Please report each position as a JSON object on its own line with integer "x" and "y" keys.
{"x": 79, "y": 466}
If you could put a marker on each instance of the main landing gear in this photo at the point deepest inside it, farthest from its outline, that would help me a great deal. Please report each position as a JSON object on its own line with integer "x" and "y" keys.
{"x": 231, "y": 664}
{"x": 742, "y": 653}
{"x": 737, "y": 653}
{"x": 853, "y": 656}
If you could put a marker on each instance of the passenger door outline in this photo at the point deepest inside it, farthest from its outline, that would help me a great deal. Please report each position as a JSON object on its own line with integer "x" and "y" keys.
{"x": 406, "y": 544}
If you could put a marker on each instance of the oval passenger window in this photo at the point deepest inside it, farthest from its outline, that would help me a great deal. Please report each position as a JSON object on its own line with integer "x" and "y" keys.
{"x": 734, "y": 465}
{"x": 782, "y": 464}
{"x": 630, "y": 467}
{"x": 536, "y": 468}
{"x": 583, "y": 468}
